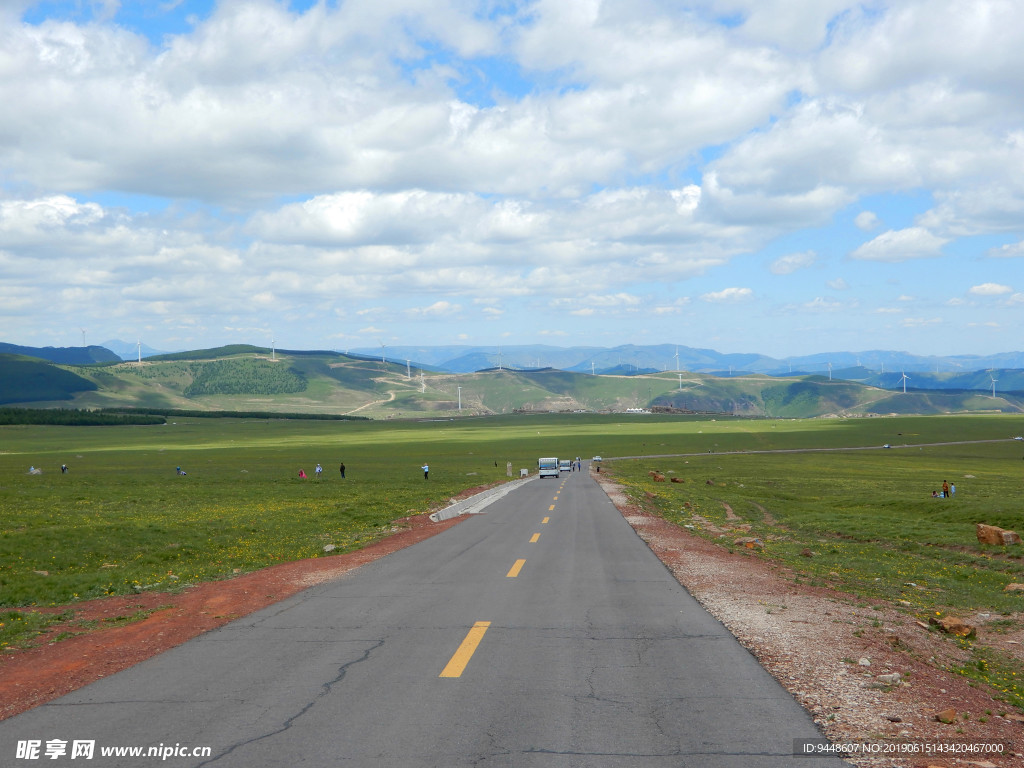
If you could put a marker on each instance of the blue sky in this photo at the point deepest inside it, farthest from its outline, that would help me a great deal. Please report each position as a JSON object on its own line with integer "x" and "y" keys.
{"x": 777, "y": 176}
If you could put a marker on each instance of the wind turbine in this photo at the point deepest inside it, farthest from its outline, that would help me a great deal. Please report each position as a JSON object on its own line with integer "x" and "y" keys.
{"x": 904, "y": 380}
{"x": 994, "y": 380}
{"x": 140, "y": 351}
{"x": 677, "y": 358}
{"x": 830, "y": 371}
{"x": 408, "y": 369}
{"x": 83, "y": 337}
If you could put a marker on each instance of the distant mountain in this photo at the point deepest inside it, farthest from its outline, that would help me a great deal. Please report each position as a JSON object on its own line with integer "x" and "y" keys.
{"x": 63, "y": 355}
{"x": 126, "y": 350}
{"x": 671, "y": 357}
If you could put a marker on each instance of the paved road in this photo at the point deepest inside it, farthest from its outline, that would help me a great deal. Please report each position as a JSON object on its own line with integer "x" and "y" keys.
{"x": 542, "y": 633}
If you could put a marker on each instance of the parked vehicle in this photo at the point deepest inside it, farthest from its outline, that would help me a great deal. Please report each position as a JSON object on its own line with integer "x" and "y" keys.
{"x": 547, "y": 467}
{"x": 565, "y": 465}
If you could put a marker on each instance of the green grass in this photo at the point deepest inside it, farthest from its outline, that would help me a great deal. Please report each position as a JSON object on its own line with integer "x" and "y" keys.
{"x": 865, "y": 521}
{"x": 121, "y": 520}
{"x": 19, "y": 628}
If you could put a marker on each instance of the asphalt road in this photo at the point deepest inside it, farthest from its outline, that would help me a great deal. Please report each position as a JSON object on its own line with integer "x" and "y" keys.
{"x": 542, "y": 633}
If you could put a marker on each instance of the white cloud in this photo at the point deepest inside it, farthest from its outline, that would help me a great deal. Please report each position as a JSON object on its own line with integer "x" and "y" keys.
{"x": 921, "y": 322}
{"x": 265, "y": 165}
{"x": 437, "y": 309}
{"x": 900, "y": 245}
{"x": 839, "y": 284}
{"x": 787, "y": 265}
{"x": 866, "y": 221}
{"x": 728, "y": 296}
{"x": 990, "y": 289}
{"x": 1007, "y": 251}
{"x": 821, "y": 304}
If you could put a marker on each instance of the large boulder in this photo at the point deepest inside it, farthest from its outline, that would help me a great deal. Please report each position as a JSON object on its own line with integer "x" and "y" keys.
{"x": 992, "y": 534}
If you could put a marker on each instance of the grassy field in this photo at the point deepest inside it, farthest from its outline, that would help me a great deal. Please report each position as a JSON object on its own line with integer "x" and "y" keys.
{"x": 122, "y": 520}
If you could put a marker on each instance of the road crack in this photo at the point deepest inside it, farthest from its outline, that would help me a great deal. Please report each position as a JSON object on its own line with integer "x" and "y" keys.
{"x": 325, "y": 690}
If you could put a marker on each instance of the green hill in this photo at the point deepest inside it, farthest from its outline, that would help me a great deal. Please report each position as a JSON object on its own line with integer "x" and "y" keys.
{"x": 255, "y": 379}
{"x": 27, "y": 380}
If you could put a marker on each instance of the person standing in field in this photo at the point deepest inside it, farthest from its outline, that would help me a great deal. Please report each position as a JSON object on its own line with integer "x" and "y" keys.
{"x": 945, "y": 489}
{"x": 342, "y": 470}
{"x": 426, "y": 471}
{"x": 319, "y": 471}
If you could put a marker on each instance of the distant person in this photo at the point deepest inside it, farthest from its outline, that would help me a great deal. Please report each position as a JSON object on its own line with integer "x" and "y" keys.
{"x": 952, "y": 489}
{"x": 935, "y": 494}
{"x": 181, "y": 471}
{"x": 342, "y": 470}
{"x": 63, "y": 469}
{"x": 945, "y": 489}
{"x": 426, "y": 471}
{"x": 319, "y": 471}
{"x": 302, "y": 474}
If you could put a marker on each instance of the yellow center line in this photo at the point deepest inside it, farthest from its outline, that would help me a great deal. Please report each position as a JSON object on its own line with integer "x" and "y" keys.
{"x": 516, "y": 569}
{"x": 556, "y": 498}
{"x": 535, "y": 538}
{"x": 545, "y": 521}
{"x": 551, "y": 508}
{"x": 465, "y": 651}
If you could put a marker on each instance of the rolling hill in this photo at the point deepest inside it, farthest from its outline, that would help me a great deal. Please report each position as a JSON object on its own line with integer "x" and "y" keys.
{"x": 248, "y": 378}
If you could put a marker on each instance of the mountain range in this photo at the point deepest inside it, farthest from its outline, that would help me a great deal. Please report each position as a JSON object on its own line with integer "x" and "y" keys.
{"x": 242, "y": 377}
{"x": 672, "y": 357}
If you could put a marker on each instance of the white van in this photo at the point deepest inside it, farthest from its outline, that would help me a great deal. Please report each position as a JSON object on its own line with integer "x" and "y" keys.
{"x": 547, "y": 467}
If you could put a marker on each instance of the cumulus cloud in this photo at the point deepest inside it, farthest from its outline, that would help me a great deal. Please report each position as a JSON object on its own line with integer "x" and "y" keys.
{"x": 437, "y": 309}
{"x": 866, "y": 221}
{"x": 901, "y": 245}
{"x": 786, "y": 265}
{"x": 822, "y": 304}
{"x": 1007, "y": 251}
{"x": 990, "y": 289}
{"x": 261, "y": 159}
{"x": 728, "y": 296}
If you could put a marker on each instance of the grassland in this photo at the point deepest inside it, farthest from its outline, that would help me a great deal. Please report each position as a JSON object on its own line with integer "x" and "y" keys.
{"x": 864, "y": 521}
{"x": 121, "y": 520}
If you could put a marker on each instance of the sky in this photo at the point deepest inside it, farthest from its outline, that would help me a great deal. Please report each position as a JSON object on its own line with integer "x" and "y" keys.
{"x": 784, "y": 177}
